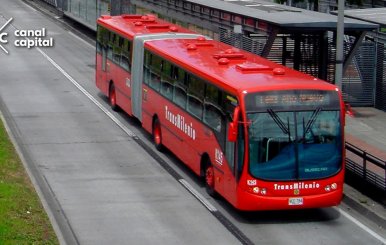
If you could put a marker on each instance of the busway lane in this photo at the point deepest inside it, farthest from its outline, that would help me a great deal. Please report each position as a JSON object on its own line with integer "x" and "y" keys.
{"x": 312, "y": 227}
{"x": 316, "y": 226}
{"x": 107, "y": 187}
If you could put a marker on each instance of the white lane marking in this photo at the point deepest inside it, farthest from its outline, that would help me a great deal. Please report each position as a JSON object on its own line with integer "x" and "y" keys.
{"x": 200, "y": 197}
{"x": 6, "y": 23}
{"x": 79, "y": 38}
{"x": 5, "y": 51}
{"x": 361, "y": 225}
{"x": 84, "y": 91}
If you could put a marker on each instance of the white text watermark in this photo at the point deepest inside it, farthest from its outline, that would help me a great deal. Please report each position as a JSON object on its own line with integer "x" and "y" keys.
{"x": 26, "y": 38}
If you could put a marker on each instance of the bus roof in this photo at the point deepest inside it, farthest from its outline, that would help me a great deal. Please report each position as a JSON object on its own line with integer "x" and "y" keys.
{"x": 232, "y": 68}
{"x": 132, "y": 25}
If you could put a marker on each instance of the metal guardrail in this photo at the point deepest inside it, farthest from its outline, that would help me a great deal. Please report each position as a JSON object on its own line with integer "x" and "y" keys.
{"x": 367, "y": 166}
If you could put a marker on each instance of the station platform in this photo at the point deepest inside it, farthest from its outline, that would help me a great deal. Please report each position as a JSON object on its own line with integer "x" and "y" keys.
{"x": 366, "y": 130}
{"x": 366, "y": 137}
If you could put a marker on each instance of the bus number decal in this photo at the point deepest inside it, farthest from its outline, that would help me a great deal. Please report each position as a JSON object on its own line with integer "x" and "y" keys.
{"x": 219, "y": 156}
{"x": 251, "y": 182}
{"x": 128, "y": 82}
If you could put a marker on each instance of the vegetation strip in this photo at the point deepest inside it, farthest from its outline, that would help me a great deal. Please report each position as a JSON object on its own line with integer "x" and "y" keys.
{"x": 22, "y": 217}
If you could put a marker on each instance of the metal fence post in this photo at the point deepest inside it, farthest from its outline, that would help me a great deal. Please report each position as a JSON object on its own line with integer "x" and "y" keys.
{"x": 364, "y": 165}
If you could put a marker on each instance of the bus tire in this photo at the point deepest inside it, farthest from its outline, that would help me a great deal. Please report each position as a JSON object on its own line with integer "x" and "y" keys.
{"x": 113, "y": 98}
{"x": 157, "y": 135}
{"x": 209, "y": 180}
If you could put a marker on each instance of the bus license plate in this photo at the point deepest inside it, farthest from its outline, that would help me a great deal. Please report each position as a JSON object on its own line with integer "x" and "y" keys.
{"x": 295, "y": 201}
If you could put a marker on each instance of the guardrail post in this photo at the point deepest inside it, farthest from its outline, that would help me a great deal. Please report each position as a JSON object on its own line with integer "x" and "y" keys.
{"x": 364, "y": 165}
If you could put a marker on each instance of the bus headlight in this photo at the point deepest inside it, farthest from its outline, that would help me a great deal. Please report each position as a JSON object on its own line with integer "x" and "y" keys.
{"x": 334, "y": 186}
{"x": 327, "y": 188}
{"x": 257, "y": 190}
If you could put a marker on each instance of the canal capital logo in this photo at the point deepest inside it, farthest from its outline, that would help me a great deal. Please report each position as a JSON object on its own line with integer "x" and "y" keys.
{"x": 3, "y": 35}
{"x": 25, "y": 38}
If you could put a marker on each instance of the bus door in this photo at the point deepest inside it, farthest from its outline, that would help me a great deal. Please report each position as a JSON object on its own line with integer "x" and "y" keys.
{"x": 230, "y": 154}
{"x": 107, "y": 58}
{"x": 102, "y": 77}
{"x": 234, "y": 151}
{"x": 101, "y": 59}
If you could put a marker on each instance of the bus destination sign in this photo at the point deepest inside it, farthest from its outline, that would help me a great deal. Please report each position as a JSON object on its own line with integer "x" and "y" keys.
{"x": 301, "y": 99}
{"x": 293, "y": 99}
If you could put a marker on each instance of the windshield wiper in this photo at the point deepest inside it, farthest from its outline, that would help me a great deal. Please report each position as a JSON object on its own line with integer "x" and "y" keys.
{"x": 311, "y": 121}
{"x": 279, "y": 122}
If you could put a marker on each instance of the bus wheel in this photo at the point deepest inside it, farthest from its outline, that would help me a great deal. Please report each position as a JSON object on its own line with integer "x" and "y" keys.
{"x": 209, "y": 180}
{"x": 113, "y": 98}
{"x": 157, "y": 135}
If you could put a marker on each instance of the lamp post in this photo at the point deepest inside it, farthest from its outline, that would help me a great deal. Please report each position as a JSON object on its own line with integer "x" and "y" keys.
{"x": 339, "y": 45}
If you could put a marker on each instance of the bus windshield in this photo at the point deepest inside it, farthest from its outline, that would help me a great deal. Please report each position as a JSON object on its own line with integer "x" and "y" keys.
{"x": 298, "y": 144}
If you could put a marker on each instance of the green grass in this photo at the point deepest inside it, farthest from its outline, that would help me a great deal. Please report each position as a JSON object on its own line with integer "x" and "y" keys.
{"x": 22, "y": 217}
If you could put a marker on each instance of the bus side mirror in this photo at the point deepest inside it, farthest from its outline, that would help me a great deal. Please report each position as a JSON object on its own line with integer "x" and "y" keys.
{"x": 232, "y": 132}
{"x": 233, "y": 126}
{"x": 349, "y": 111}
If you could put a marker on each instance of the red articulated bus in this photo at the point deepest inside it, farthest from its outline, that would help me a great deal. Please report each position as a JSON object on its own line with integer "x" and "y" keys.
{"x": 263, "y": 136}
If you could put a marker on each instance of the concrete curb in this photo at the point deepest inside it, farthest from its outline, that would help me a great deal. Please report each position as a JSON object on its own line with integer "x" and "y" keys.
{"x": 367, "y": 207}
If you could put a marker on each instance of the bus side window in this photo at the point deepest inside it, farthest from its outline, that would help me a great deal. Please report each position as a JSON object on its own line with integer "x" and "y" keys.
{"x": 213, "y": 117}
{"x": 146, "y": 67}
{"x": 166, "y": 80}
{"x": 109, "y": 52}
{"x": 126, "y": 55}
{"x": 167, "y": 88}
{"x": 166, "y": 69}
{"x": 155, "y": 81}
{"x": 213, "y": 114}
{"x": 195, "y": 106}
{"x": 110, "y": 46}
{"x": 105, "y": 35}
{"x": 179, "y": 94}
{"x": 102, "y": 40}
{"x": 155, "y": 74}
{"x": 125, "y": 62}
{"x": 99, "y": 39}
{"x": 196, "y": 90}
{"x": 117, "y": 41}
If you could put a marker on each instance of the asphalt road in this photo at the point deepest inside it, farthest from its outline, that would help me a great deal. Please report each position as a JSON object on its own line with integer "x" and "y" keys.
{"x": 101, "y": 184}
